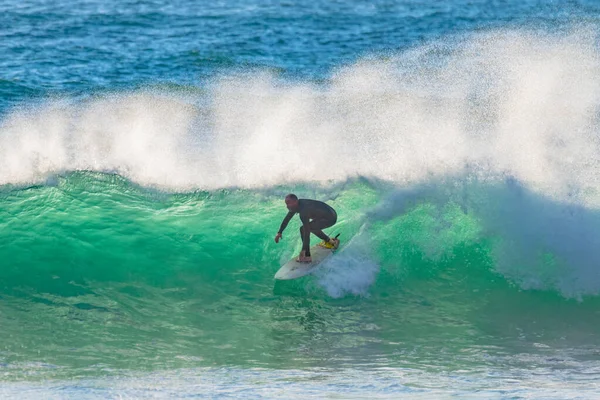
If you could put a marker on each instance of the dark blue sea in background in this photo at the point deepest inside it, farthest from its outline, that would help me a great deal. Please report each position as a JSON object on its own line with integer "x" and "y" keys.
{"x": 146, "y": 146}
{"x": 82, "y": 47}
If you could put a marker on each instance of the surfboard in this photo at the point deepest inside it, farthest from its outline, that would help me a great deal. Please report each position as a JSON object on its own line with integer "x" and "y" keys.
{"x": 294, "y": 269}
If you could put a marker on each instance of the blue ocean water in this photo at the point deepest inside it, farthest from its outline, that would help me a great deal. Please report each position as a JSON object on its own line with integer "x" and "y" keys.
{"x": 94, "y": 46}
{"x": 146, "y": 146}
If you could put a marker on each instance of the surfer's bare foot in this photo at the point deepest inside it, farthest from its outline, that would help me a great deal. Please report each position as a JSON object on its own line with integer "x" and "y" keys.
{"x": 304, "y": 259}
{"x": 335, "y": 242}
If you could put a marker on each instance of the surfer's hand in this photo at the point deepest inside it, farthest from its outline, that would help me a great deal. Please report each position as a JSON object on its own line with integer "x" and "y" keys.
{"x": 277, "y": 237}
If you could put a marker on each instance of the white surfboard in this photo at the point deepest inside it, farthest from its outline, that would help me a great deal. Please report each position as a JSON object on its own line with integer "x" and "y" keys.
{"x": 294, "y": 269}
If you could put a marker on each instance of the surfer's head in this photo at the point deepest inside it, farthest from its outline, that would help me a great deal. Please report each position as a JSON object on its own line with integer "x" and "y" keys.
{"x": 291, "y": 202}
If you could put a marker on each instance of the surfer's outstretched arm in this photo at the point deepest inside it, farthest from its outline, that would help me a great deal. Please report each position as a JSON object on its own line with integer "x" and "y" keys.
{"x": 286, "y": 221}
{"x": 284, "y": 224}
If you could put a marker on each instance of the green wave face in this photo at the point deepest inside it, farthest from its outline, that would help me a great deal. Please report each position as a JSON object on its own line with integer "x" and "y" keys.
{"x": 98, "y": 273}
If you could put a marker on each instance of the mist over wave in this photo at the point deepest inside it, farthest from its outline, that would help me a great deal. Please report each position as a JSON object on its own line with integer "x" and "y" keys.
{"x": 507, "y": 103}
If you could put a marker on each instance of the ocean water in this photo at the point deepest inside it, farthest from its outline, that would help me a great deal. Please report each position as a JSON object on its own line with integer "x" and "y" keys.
{"x": 146, "y": 147}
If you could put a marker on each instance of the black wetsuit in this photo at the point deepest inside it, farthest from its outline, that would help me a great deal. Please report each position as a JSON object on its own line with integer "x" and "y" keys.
{"x": 315, "y": 216}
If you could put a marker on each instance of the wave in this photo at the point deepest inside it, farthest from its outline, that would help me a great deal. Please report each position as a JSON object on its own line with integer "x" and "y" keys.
{"x": 464, "y": 175}
{"x": 95, "y": 267}
{"x": 528, "y": 239}
{"x": 502, "y": 125}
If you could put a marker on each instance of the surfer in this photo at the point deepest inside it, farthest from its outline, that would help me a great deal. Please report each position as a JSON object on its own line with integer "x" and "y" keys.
{"x": 315, "y": 216}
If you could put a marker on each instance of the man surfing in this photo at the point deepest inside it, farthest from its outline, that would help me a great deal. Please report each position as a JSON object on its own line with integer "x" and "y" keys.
{"x": 315, "y": 216}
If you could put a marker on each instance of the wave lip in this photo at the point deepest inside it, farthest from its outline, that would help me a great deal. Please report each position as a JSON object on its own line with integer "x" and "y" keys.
{"x": 514, "y": 103}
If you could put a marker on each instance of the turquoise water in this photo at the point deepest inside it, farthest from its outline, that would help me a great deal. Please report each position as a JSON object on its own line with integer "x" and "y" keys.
{"x": 145, "y": 150}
